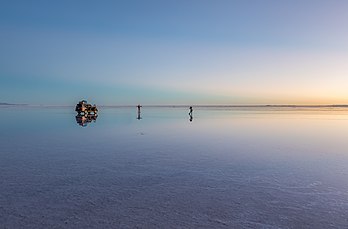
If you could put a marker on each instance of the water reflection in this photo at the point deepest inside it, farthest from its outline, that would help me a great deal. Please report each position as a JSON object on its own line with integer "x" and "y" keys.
{"x": 260, "y": 167}
{"x": 84, "y": 120}
{"x": 139, "y": 116}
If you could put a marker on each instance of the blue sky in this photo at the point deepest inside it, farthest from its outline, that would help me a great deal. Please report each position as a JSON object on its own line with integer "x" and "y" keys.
{"x": 174, "y": 52}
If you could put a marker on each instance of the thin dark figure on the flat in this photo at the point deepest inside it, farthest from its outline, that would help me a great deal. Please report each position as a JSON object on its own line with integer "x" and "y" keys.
{"x": 190, "y": 114}
{"x": 139, "y": 117}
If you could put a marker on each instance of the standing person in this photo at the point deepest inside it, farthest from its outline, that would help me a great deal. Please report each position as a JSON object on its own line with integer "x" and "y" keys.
{"x": 139, "y": 117}
{"x": 190, "y": 114}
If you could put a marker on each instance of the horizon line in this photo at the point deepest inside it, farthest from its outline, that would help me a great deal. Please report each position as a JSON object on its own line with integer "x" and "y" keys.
{"x": 188, "y": 105}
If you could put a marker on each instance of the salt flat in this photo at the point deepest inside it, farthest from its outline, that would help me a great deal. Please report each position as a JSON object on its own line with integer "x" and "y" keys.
{"x": 227, "y": 167}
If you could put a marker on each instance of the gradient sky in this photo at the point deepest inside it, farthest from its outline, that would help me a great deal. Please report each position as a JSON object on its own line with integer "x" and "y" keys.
{"x": 174, "y": 52}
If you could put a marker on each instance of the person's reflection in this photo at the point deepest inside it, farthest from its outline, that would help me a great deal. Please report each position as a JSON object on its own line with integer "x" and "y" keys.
{"x": 191, "y": 117}
{"x": 84, "y": 120}
{"x": 138, "y": 117}
{"x": 139, "y": 112}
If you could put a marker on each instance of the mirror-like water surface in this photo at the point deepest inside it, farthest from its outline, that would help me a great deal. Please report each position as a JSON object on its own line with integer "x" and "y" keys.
{"x": 221, "y": 168}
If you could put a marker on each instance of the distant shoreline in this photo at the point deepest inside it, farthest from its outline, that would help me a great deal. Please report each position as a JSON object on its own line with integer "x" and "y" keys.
{"x": 12, "y": 104}
{"x": 183, "y": 106}
{"x": 246, "y": 106}
{"x": 193, "y": 105}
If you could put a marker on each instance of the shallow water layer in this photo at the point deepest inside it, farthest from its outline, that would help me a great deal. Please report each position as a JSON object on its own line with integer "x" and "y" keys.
{"x": 224, "y": 167}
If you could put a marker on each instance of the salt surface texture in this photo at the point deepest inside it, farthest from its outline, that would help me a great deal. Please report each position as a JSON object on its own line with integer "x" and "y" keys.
{"x": 225, "y": 168}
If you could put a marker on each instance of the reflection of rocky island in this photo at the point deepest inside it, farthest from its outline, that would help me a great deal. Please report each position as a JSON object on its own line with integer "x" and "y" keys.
{"x": 83, "y": 120}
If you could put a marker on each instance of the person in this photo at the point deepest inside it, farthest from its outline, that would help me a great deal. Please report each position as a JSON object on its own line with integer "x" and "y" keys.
{"x": 190, "y": 114}
{"x": 139, "y": 117}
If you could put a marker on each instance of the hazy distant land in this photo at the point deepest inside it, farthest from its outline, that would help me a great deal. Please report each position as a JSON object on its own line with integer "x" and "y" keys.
{"x": 12, "y": 104}
{"x": 237, "y": 106}
{"x": 200, "y": 105}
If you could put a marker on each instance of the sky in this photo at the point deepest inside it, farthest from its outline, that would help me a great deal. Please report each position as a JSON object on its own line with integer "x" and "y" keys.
{"x": 201, "y": 52}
